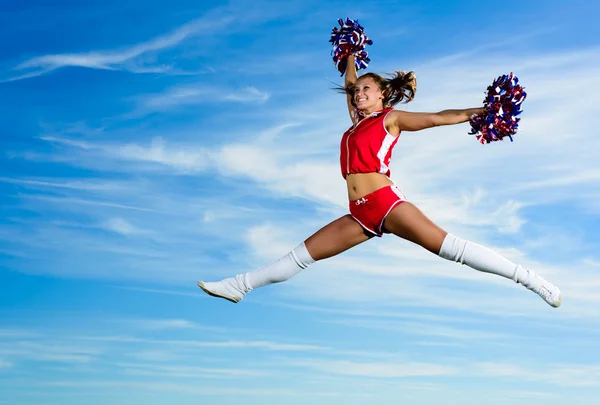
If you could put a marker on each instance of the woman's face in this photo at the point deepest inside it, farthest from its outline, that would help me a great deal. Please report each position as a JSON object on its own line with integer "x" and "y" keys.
{"x": 367, "y": 95}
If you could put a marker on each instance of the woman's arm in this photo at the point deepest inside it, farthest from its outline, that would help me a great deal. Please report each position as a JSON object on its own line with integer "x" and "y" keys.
{"x": 398, "y": 121}
{"x": 349, "y": 82}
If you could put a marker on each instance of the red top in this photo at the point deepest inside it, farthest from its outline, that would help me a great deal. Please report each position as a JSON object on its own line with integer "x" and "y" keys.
{"x": 367, "y": 146}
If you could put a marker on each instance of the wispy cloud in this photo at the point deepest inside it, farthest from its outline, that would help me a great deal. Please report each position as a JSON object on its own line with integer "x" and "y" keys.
{"x": 529, "y": 395}
{"x": 158, "y": 152}
{"x": 195, "y": 95}
{"x": 121, "y": 226}
{"x": 230, "y": 344}
{"x": 571, "y": 375}
{"x": 447, "y": 333}
{"x": 265, "y": 345}
{"x": 5, "y": 364}
{"x": 48, "y": 352}
{"x": 148, "y": 369}
{"x": 184, "y": 388}
{"x": 16, "y": 333}
{"x": 156, "y": 324}
{"x": 247, "y": 94}
{"x": 123, "y": 59}
{"x": 74, "y": 184}
{"x": 82, "y": 201}
{"x": 378, "y": 370}
{"x": 157, "y": 291}
{"x": 183, "y": 158}
{"x": 155, "y": 356}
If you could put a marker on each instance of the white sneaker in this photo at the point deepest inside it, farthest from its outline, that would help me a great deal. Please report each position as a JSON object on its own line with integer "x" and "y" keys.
{"x": 549, "y": 292}
{"x": 542, "y": 287}
{"x": 231, "y": 289}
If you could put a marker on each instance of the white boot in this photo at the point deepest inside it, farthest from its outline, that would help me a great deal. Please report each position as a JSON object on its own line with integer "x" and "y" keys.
{"x": 542, "y": 287}
{"x": 232, "y": 289}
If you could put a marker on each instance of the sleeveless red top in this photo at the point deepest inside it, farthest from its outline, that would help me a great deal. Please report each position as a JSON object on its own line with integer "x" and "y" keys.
{"x": 367, "y": 146}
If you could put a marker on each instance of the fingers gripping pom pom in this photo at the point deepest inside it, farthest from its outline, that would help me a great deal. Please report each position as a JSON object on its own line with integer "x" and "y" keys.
{"x": 349, "y": 39}
{"x": 502, "y": 106}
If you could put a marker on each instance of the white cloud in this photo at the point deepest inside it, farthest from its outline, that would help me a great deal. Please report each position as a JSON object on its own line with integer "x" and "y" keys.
{"x": 522, "y": 394}
{"x": 155, "y": 356}
{"x": 124, "y": 59}
{"x": 248, "y": 94}
{"x": 180, "y": 158}
{"x": 63, "y": 358}
{"x": 146, "y": 369}
{"x": 16, "y": 333}
{"x": 121, "y": 226}
{"x": 156, "y": 324}
{"x": 568, "y": 375}
{"x": 265, "y": 345}
{"x": 48, "y": 352}
{"x": 196, "y": 94}
{"x": 181, "y": 388}
{"x": 81, "y": 201}
{"x": 229, "y": 344}
{"x": 267, "y": 239}
{"x": 449, "y": 334}
{"x": 74, "y": 184}
{"x": 378, "y": 370}
{"x": 308, "y": 178}
{"x": 5, "y": 364}
{"x": 157, "y": 291}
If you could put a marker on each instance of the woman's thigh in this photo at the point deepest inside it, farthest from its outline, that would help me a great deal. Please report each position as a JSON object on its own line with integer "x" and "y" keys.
{"x": 408, "y": 222}
{"x": 336, "y": 237}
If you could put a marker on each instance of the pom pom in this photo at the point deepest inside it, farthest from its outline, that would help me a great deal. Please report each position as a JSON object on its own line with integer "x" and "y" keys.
{"x": 349, "y": 39}
{"x": 502, "y": 106}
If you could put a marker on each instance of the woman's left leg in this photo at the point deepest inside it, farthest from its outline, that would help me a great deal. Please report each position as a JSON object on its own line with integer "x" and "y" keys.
{"x": 332, "y": 239}
{"x": 408, "y": 222}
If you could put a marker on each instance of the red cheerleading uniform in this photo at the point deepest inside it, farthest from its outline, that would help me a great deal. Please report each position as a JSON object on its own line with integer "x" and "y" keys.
{"x": 367, "y": 148}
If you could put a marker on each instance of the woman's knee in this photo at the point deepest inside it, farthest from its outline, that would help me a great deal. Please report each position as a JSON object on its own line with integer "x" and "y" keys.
{"x": 408, "y": 222}
{"x": 336, "y": 237}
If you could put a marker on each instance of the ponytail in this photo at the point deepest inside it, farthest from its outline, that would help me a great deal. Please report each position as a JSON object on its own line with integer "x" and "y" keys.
{"x": 401, "y": 87}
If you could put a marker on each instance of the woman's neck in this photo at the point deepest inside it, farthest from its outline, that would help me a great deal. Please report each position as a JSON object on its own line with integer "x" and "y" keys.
{"x": 369, "y": 111}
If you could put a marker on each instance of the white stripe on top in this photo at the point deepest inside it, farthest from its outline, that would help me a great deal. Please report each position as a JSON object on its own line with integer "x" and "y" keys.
{"x": 385, "y": 147}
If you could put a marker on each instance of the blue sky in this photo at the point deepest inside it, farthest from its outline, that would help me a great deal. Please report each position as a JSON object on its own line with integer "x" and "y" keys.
{"x": 147, "y": 145}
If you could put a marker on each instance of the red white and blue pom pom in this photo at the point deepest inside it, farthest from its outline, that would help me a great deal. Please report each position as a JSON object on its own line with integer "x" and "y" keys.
{"x": 502, "y": 106}
{"x": 349, "y": 39}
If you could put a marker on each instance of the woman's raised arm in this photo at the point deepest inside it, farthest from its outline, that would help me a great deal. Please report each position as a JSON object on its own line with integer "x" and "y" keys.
{"x": 349, "y": 82}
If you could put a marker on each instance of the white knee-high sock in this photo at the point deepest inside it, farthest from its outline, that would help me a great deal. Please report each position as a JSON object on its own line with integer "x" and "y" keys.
{"x": 281, "y": 270}
{"x": 482, "y": 259}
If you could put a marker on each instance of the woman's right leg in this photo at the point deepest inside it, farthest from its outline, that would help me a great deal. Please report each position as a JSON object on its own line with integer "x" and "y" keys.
{"x": 334, "y": 238}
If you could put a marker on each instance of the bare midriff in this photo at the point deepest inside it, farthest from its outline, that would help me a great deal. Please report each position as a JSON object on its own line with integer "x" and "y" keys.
{"x": 361, "y": 184}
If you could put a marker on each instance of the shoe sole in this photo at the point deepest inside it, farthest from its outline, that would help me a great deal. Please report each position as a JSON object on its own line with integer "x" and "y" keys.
{"x": 201, "y": 285}
{"x": 558, "y": 303}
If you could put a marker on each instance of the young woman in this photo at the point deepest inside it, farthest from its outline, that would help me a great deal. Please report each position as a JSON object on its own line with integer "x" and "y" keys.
{"x": 377, "y": 206}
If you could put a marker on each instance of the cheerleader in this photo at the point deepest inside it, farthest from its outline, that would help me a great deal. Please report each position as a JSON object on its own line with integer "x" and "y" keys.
{"x": 376, "y": 204}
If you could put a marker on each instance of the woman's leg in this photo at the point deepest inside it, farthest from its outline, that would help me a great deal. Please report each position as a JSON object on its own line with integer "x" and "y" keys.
{"x": 408, "y": 222}
{"x": 334, "y": 238}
